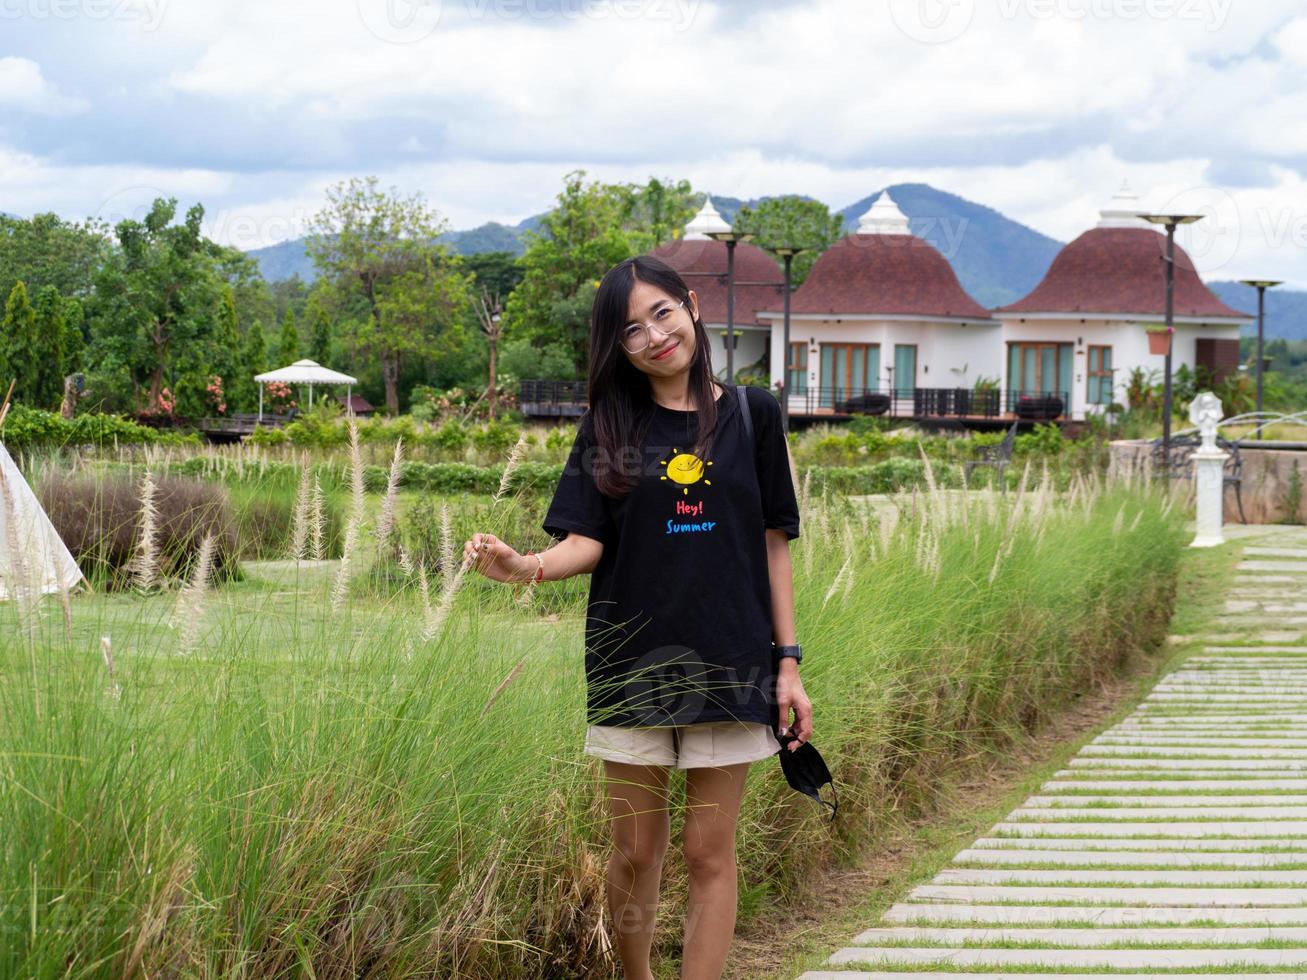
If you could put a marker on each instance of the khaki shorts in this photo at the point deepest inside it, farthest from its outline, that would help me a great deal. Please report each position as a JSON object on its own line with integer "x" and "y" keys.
{"x": 712, "y": 743}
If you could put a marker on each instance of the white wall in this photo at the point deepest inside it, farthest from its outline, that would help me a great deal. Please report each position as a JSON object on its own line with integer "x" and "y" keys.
{"x": 1128, "y": 341}
{"x": 751, "y": 344}
{"x": 949, "y": 355}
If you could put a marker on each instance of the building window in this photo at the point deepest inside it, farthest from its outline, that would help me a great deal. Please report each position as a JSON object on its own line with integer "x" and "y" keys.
{"x": 905, "y": 367}
{"x": 848, "y": 370}
{"x": 1039, "y": 368}
{"x": 796, "y": 378}
{"x": 1100, "y": 375}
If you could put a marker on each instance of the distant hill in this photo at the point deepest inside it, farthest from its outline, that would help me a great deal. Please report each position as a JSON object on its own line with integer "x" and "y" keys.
{"x": 287, "y": 259}
{"x": 1286, "y": 309}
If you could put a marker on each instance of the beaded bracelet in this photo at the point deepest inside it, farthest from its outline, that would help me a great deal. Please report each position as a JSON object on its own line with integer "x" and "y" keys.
{"x": 539, "y": 575}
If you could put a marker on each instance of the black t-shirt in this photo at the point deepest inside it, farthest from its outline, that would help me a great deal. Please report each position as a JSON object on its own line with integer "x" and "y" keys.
{"x": 679, "y": 625}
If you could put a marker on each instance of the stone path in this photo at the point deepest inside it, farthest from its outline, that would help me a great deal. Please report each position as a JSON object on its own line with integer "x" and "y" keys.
{"x": 1173, "y": 844}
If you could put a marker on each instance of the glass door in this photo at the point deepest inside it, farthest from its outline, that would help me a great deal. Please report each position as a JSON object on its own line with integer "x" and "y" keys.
{"x": 905, "y": 367}
{"x": 848, "y": 370}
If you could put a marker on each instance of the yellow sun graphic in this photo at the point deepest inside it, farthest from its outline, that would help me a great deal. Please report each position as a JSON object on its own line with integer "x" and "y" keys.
{"x": 685, "y": 468}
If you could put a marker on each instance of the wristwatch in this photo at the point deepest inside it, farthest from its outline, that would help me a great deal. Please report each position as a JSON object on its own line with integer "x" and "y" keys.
{"x": 789, "y": 650}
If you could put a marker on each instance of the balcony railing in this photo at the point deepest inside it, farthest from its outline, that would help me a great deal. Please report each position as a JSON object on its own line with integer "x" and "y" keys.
{"x": 569, "y": 398}
{"x": 930, "y": 402}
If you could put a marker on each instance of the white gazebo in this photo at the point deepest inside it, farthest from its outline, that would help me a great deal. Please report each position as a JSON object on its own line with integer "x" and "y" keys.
{"x": 304, "y": 372}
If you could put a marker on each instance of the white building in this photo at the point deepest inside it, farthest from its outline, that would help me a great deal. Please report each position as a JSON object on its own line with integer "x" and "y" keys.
{"x": 881, "y": 311}
{"x": 1079, "y": 334}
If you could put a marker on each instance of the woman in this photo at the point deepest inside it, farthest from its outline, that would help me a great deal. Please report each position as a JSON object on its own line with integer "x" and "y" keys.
{"x": 685, "y": 528}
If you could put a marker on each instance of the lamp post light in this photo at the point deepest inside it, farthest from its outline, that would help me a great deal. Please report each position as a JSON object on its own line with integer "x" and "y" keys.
{"x": 1261, "y": 285}
{"x": 1170, "y": 221}
{"x": 731, "y": 238}
{"x": 786, "y": 252}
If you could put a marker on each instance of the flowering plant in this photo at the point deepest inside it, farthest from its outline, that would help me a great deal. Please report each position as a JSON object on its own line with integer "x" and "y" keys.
{"x": 280, "y": 395}
{"x": 214, "y": 396}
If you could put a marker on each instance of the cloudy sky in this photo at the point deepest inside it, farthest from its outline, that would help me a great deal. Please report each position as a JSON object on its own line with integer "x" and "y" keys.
{"x": 1039, "y": 108}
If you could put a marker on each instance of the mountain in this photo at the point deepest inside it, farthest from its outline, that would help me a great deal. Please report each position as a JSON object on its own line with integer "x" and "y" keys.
{"x": 287, "y": 259}
{"x": 1286, "y": 309}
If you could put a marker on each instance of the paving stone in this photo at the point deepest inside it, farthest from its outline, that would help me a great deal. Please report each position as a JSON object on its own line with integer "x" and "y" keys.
{"x": 1198, "y": 813}
{"x": 1192, "y": 800}
{"x": 1172, "y": 785}
{"x": 1148, "y": 828}
{"x": 1136, "y": 895}
{"x": 1188, "y": 845}
{"x": 1271, "y": 565}
{"x": 1177, "y": 859}
{"x": 1160, "y": 935}
{"x": 1134, "y": 876}
{"x": 1267, "y": 551}
{"x": 1072, "y": 957}
{"x": 1035, "y": 915}
{"x": 852, "y": 974}
{"x": 1110, "y": 762}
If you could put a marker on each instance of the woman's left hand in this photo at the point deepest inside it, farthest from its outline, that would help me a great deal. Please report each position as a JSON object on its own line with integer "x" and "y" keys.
{"x": 790, "y": 694}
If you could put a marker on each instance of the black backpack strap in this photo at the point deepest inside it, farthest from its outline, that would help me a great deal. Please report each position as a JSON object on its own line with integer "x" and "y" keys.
{"x": 744, "y": 411}
{"x": 747, "y": 415}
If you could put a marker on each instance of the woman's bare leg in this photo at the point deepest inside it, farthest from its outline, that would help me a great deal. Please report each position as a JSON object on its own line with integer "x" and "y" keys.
{"x": 712, "y": 808}
{"x": 637, "y": 804}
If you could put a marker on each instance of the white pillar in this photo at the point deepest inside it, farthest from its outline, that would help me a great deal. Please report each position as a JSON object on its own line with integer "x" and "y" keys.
{"x": 260, "y": 401}
{"x": 1209, "y": 487}
{"x": 1209, "y": 471}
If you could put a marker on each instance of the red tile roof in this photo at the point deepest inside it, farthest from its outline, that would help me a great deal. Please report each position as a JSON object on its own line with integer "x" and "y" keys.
{"x": 702, "y": 263}
{"x": 885, "y": 274}
{"x": 1120, "y": 270}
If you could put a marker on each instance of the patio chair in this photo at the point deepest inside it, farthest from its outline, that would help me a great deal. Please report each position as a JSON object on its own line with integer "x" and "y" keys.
{"x": 1179, "y": 464}
{"x": 996, "y": 456}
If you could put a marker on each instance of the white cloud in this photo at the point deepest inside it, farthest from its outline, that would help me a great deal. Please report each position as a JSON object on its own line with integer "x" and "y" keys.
{"x": 24, "y": 88}
{"x": 1035, "y": 107}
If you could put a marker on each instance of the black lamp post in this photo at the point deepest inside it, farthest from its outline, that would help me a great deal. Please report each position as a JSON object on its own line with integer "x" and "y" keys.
{"x": 731, "y": 238}
{"x": 1261, "y": 285}
{"x": 1170, "y": 221}
{"x": 787, "y": 253}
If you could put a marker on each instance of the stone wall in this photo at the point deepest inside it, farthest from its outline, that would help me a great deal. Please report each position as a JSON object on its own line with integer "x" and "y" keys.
{"x": 1270, "y": 493}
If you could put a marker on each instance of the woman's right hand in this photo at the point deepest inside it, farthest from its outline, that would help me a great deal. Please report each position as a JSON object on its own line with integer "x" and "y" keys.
{"x": 493, "y": 558}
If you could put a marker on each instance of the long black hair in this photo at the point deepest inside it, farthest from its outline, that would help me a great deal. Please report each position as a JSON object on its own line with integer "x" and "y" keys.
{"x": 621, "y": 400}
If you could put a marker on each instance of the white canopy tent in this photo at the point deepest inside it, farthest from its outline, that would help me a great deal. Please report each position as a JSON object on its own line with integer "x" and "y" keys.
{"x": 33, "y": 559}
{"x": 304, "y": 372}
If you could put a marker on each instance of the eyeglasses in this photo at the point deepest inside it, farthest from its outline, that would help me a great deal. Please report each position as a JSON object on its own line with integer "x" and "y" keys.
{"x": 636, "y": 336}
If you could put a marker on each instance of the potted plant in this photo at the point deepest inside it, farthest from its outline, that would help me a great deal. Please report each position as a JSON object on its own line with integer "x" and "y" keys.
{"x": 1159, "y": 339}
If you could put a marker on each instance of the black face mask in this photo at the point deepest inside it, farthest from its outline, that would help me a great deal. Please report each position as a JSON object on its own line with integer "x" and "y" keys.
{"x": 806, "y": 771}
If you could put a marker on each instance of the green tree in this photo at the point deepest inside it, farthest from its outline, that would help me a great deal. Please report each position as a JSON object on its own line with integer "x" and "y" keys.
{"x": 655, "y": 212}
{"x": 794, "y": 222}
{"x": 288, "y": 348}
{"x": 156, "y": 298}
{"x": 74, "y": 335}
{"x": 498, "y": 272}
{"x": 226, "y": 358}
{"x": 580, "y": 239}
{"x": 19, "y": 347}
{"x": 254, "y": 359}
{"x": 421, "y": 315}
{"x": 371, "y": 243}
{"x": 320, "y": 344}
{"x": 45, "y": 250}
{"x": 52, "y": 337}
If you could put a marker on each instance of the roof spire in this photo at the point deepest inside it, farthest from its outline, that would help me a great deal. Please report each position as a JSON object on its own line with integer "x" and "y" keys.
{"x": 1123, "y": 210}
{"x": 705, "y": 222}
{"x": 883, "y": 218}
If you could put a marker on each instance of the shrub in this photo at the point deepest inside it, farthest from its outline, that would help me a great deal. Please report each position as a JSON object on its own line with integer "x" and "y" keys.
{"x": 98, "y": 521}
{"x": 497, "y": 436}
{"x": 267, "y": 437}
